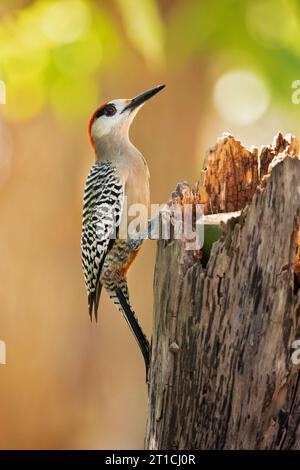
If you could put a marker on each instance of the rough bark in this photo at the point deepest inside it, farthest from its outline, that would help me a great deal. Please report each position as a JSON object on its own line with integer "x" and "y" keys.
{"x": 221, "y": 373}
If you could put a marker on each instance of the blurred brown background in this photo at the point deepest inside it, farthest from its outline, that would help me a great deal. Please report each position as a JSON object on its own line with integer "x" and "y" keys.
{"x": 69, "y": 383}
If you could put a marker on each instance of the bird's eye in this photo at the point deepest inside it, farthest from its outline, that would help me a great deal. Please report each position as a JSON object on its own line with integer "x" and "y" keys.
{"x": 106, "y": 110}
{"x": 110, "y": 110}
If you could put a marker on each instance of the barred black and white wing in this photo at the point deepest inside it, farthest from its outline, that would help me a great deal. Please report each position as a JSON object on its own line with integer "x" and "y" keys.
{"x": 102, "y": 208}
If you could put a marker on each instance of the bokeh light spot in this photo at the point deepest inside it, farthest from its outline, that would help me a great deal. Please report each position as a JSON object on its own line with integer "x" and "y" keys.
{"x": 241, "y": 97}
{"x": 2, "y": 92}
{"x": 65, "y": 21}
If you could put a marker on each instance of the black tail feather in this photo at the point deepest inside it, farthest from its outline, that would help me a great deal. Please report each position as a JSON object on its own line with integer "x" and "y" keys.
{"x": 97, "y": 299}
{"x": 136, "y": 329}
{"x": 93, "y": 301}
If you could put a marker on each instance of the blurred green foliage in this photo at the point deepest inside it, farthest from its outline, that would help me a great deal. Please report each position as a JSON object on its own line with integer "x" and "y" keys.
{"x": 51, "y": 52}
{"x": 144, "y": 28}
{"x": 262, "y": 35}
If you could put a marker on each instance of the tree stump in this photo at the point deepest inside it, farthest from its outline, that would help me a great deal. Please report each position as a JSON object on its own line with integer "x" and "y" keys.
{"x": 222, "y": 375}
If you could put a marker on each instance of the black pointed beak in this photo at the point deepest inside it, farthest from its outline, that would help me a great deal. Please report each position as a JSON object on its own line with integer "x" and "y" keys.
{"x": 140, "y": 99}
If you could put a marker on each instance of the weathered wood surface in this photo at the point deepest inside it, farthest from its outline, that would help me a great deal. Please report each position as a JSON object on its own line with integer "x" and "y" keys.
{"x": 221, "y": 374}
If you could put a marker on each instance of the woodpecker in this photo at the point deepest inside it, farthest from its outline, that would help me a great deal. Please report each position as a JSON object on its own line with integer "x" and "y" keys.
{"x": 119, "y": 171}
